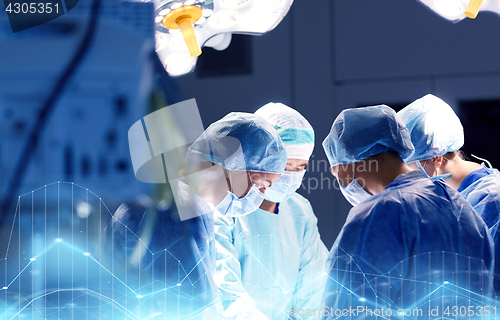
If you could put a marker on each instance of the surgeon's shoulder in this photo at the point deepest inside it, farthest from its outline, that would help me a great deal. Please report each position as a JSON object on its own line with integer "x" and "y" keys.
{"x": 490, "y": 182}
{"x": 387, "y": 205}
{"x": 298, "y": 199}
{"x": 298, "y": 205}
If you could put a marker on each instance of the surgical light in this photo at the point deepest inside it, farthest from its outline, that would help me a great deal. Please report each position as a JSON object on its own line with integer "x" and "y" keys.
{"x": 224, "y": 19}
{"x": 473, "y": 8}
{"x": 207, "y": 12}
{"x": 457, "y": 10}
{"x": 233, "y": 3}
{"x": 269, "y": 4}
{"x": 183, "y": 18}
{"x": 258, "y": 21}
{"x": 179, "y": 63}
{"x": 219, "y": 42}
{"x": 450, "y": 8}
{"x": 201, "y": 20}
{"x": 209, "y": 23}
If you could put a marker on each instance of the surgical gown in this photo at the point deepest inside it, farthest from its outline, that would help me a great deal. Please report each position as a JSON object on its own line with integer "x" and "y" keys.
{"x": 269, "y": 265}
{"x": 481, "y": 188}
{"x": 409, "y": 247}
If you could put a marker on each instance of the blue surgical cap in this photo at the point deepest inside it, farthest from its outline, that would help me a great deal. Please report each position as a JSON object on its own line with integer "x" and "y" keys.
{"x": 359, "y": 133}
{"x": 434, "y": 128}
{"x": 240, "y": 142}
{"x": 294, "y": 130}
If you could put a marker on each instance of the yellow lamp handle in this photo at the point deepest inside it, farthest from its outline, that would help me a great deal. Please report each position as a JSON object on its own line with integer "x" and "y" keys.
{"x": 183, "y": 18}
{"x": 186, "y": 25}
{"x": 473, "y": 8}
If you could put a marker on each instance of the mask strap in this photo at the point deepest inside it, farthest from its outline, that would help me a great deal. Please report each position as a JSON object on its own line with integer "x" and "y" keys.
{"x": 353, "y": 170}
{"x": 443, "y": 176}
{"x": 250, "y": 178}
{"x": 230, "y": 182}
{"x": 417, "y": 163}
{"x": 487, "y": 162}
{"x": 211, "y": 153}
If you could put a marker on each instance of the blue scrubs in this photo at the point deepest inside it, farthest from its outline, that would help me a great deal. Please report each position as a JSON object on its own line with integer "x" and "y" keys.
{"x": 481, "y": 188}
{"x": 418, "y": 244}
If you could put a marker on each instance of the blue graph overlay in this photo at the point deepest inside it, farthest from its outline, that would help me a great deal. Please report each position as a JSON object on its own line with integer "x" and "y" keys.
{"x": 67, "y": 256}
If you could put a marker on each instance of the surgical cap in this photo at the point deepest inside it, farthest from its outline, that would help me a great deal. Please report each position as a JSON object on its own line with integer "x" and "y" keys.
{"x": 240, "y": 142}
{"x": 434, "y": 128}
{"x": 359, "y": 133}
{"x": 294, "y": 130}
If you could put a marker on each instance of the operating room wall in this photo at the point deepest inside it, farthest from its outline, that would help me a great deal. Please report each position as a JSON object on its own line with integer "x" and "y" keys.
{"x": 328, "y": 55}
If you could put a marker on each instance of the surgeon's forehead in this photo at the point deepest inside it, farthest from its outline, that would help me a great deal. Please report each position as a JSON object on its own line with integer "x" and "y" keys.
{"x": 341, "y": 167}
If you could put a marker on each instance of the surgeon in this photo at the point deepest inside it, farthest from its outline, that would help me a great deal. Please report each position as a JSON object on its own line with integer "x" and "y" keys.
{"x": 271, "y": 262}
{"x": 237, "y": 159}
{"x": 437, "y": 134}
{"x": 409, "y": 242}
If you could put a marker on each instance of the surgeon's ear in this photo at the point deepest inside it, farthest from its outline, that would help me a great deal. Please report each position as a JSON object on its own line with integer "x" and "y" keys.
{"x": 334, "y": 171}
{"x": 437, "y": 161}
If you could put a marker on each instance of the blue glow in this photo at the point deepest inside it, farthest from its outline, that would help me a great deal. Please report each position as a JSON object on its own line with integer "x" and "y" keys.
{"x": 73, "y": 279}
{"x": 46, "y": 276}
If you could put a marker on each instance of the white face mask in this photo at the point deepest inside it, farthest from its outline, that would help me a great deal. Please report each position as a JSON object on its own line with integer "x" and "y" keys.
{"x": 232, "y": 206}
{"x": 354, "y": 192}
{"x": 286, "y": 185}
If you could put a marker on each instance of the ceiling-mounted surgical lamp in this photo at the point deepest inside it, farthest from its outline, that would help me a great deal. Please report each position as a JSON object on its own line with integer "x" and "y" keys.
{"x": 457, "y": 10}
{"x": 183, "y": 27}
{"x": 183, "y": 18}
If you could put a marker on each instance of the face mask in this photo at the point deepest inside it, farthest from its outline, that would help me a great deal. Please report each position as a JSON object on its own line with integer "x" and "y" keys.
{"x": 232, "y": 206}
{"x": 354, "y": 193}
{"x": 286, "y": 185}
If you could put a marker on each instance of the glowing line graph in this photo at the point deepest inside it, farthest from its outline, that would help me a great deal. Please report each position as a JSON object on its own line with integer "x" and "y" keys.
{"x": 342, "y": 278}
{"x": 137, "y": 297}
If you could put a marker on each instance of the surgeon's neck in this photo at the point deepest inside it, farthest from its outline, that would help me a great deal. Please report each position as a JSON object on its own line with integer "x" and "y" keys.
{"x": 459, "y": 170}
{"x": 268, "y": 206}
{"x": 383, "y": 168}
